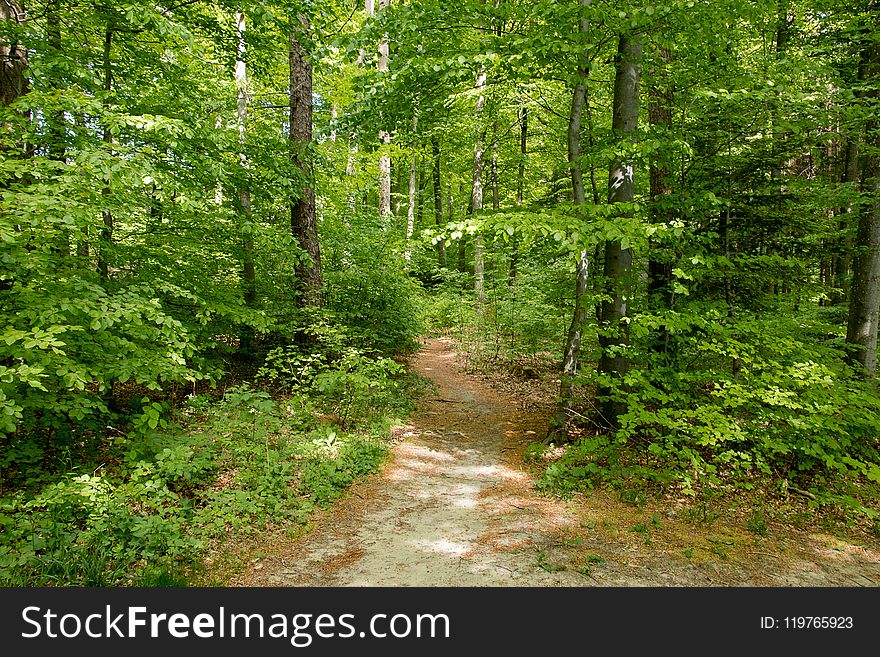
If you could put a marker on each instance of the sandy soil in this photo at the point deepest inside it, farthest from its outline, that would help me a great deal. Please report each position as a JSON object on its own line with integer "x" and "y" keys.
{"x": 454, "y": 508}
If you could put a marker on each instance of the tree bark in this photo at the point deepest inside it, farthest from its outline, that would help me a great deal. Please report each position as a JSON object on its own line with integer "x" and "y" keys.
{"x": 477, "y": 188}
{"x": 438, "y": 200}
{"x": 493, "y": 167}
{"x": 571, "y": 352}
{"x": 842, "y": 260}
{"x": 613, "y": 336}
{"x": 13, "y": 57}
{"x": 411, "y": 207}
{"x": 520, "y": 186}
{"x": 864, "y": 306}
{"x": 303, "y": 220}
{"x": 384, "y": 135}
{"x": 660, "y": 187}
{"x": 106, "y": 214}
{"x": 249, "y": 275}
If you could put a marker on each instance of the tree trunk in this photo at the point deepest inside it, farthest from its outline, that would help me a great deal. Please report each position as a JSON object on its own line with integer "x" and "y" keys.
{"x": 411, "y": 207}
{"x": 384, "y": 135}
{"x": 106, "y": 214}
{"x": 520, "y": 186}
{"x": 249, "y": 276}
{"x": 613, "y": 336}
{"x": 864, "y": 305}
{"x": 53, "y": 37}
{"x": 493, "y": 167}
{"x": 571, "y": 352}
{"x": 477, "y": 188}
{"x": 303, "y": 220}
{"x": 842, "y": 260}
{"x": 13, "y": 57}
{"x": 438, "y": 200}
{"x": 660, "y": 187}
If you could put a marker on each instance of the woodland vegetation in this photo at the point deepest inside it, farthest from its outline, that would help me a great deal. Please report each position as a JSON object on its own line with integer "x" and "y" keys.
{"x": 224, "y": 224}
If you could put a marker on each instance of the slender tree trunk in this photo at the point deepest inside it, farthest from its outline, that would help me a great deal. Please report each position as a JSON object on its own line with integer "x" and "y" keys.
{"x": 571, "y": 351}
{"x": 57, "y": 130}
{"x": 106, "y": 214}
{"x": 246, "y": 229}
{"x": 411, "y": 207}
{"x": 384, "y": 135}
{"x": 438, "y": 200}
{"x": 520, "y": 186}
{"x": 350, "y": 171}
{"x": 613, "y": 337}
{"x": 842, "y": 260}
{"x": 420, "y": 195}
{"x": 303, "y": 220}
{"x": 53, "y": 37}
{"x": 660, "y": 187}
{"x": 864, "y": 305}
{"x": 493, "y": 167}
{"x": 477, "y": 189}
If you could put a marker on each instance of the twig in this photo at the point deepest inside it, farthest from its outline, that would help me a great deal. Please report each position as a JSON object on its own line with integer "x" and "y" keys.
{"x": 800, "y": 491}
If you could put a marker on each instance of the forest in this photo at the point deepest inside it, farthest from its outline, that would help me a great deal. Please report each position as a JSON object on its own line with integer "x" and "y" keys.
{"x": 227, "y": 228}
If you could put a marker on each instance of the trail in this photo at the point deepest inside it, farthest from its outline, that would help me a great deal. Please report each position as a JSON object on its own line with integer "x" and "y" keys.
{"x": 453, "y": 509}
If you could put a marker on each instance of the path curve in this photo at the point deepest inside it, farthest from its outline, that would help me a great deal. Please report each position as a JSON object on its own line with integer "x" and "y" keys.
{"x": 452, "y": 509}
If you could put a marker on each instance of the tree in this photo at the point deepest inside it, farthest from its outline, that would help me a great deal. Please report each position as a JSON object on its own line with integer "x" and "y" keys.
{"x": 303, "y": 219}
{"x": 571, "y": 353}
{"x": 249, "y": 276}
{"x": 13, "y": 54}
{"x": 613, "y": 335}
{"x": 864, "y": 307}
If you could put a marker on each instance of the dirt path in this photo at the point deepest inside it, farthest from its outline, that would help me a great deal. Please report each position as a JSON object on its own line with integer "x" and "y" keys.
{"x": 452, "y": 509}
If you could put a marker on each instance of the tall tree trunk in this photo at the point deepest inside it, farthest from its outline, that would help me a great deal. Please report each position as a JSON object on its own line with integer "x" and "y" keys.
{"x": 384, "y": 135}
{"x": 660, "y": 187}
{"x": 57, "y": 129}
{"x": 477, "y": 188}
{"x": 411, "y": 207}
{"x": 246, "y": 228}
{"x": 493, "y": 167}
{"x": 303, "y": 220}
{"x": 106, "y": 214}
{"x": 520, "y": 185}
{"x": 864, "y": 305}
{"x": 571, "y": 352}
{"x": 613, "y": 336}
{"x": 840, "y": 264}
{"x": 13, "y": 57}
{"x": 438, "y": 200}
{"x": 53, "y": 37}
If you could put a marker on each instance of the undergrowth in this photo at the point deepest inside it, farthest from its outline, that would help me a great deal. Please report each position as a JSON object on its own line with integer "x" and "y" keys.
{"x": 147, "y": 505}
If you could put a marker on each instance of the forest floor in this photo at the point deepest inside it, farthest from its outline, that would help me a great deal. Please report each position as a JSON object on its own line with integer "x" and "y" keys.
{"x": 456, "y": 506}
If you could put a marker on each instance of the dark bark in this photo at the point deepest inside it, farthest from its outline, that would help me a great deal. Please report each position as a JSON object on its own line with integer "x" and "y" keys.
{"x": 614, "y": 335}
{"x": 13, "y": 57}
{"x": 303, "y": 221}
{"x": 106, "y": 214}
{"x": 660, "y": 187}
{"x": 864, "y": 306}
{"x": 842, "y": 260}
{"x": 520, "y": 185}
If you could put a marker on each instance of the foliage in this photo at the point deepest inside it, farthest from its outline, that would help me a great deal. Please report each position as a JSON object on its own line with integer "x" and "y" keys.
{"x": 794, "y": 410}
{"x": 172, "y": 486}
